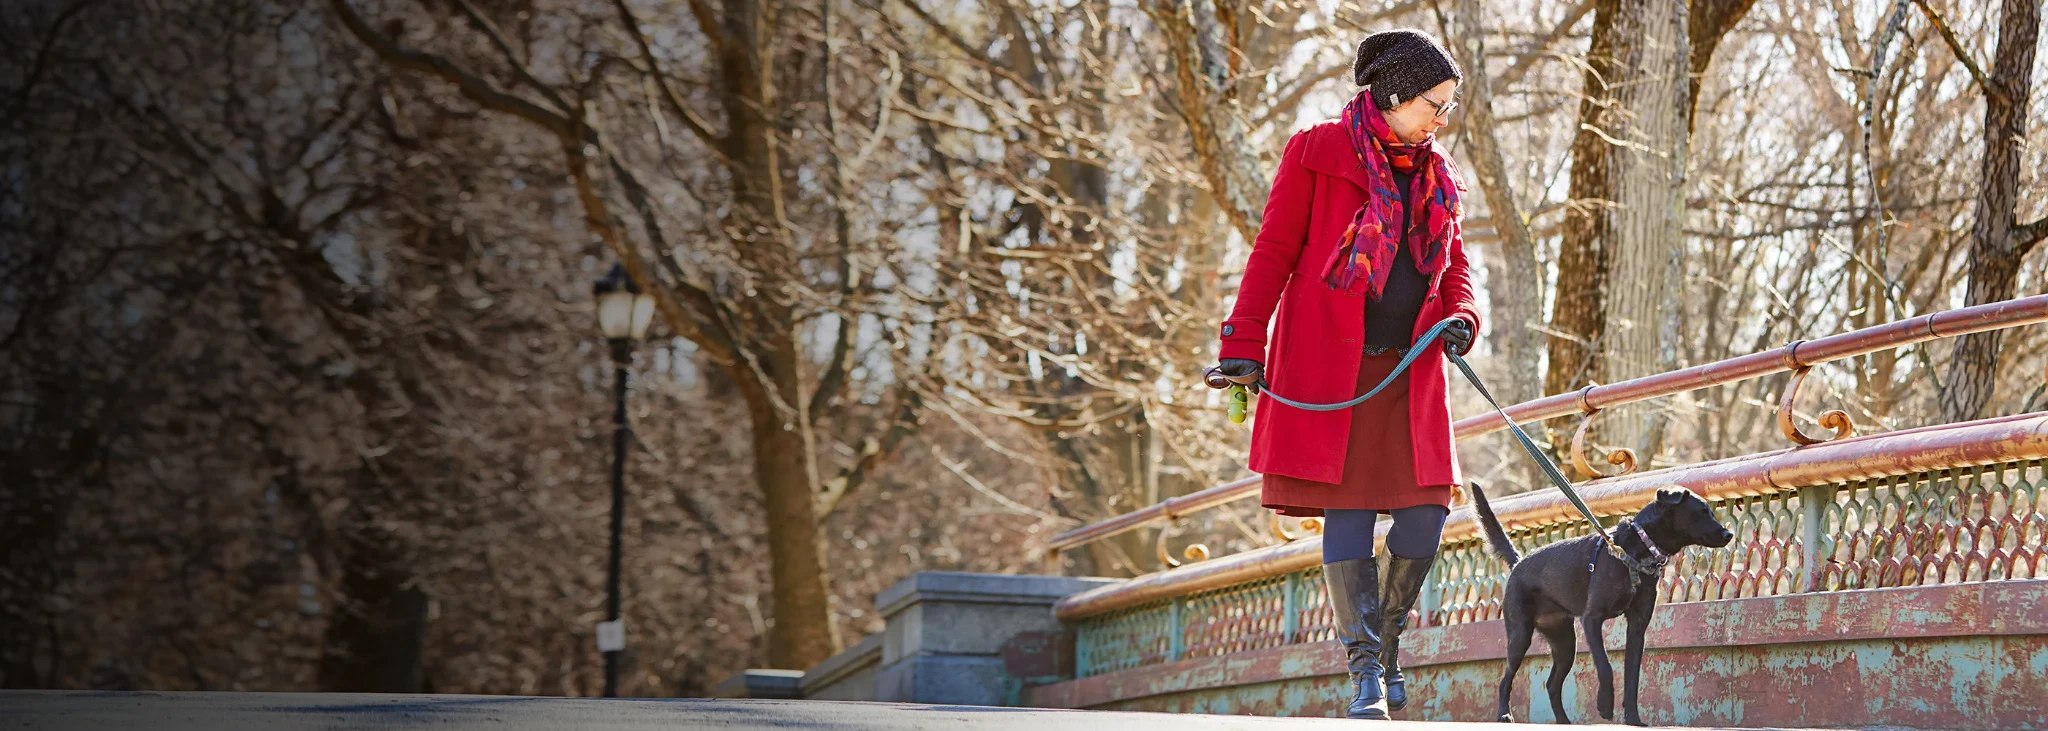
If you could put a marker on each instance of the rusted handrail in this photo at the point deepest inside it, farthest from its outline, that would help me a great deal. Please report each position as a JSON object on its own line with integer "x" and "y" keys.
{"x": 1793, "y": 356}
{"x": 2009, "y": 438}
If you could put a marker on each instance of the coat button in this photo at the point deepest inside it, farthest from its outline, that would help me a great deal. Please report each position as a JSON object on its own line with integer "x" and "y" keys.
{"x": 1228, "y": 330}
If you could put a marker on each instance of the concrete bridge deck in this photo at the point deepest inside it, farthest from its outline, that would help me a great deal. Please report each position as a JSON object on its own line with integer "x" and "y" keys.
{"x": 76, "y": 711}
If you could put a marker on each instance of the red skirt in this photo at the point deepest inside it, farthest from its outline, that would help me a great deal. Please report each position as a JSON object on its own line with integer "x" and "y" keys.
{"x": 1379, "y": 462}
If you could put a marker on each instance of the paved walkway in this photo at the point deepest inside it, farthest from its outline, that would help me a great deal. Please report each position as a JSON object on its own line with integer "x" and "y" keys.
{"x": 69, "y": 711}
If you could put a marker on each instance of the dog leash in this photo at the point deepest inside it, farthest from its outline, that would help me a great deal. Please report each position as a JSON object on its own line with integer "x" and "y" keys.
{"x": 1414, "y": 351}
{"x": 1637, "y": 568}
{"x": 1240, "y": 402}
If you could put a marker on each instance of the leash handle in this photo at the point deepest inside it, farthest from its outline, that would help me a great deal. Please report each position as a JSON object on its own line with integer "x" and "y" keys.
{"x": 1216, "y": 378}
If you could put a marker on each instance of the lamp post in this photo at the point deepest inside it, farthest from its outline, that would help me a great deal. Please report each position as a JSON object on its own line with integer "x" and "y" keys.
{"x": 623, "y": 313}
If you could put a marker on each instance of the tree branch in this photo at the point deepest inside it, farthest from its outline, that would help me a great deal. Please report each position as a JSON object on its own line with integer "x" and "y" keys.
{"x": 1233, "y": 173}
{"x": 707, "y": 23}
{"x": 497, "y": 39}
{"x": 597, "y": 215}
{"x": 35, "y": 72}
{"x": 1526, "y": 60}
{"x": 2027, "y": 235}
{"x": 960, "y": 470}
{"x": 1290, "y": 101}
{"x": 833, "y": 380}
{"x": 713, "y": 329}
{"x": 980, "y": 59}
{"x": 1956, "y": 46}
{"x": 696, "y": 123}
{"x": 473, "y": 87}
{"x": 1348, "y": 21}
{"x": 873, "y": 452}
{"x": 719, "y": 346}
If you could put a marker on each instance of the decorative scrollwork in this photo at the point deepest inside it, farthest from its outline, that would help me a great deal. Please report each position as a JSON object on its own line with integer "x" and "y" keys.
{"x": 1309, "y": 527}
{"x": 1194, "y": 551}
{"x": 1835, "y": 419}
{"x": 1624, "y": 458}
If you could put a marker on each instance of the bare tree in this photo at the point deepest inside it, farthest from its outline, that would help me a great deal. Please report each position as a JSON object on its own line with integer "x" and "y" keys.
{"x": 1998, "y": 241}
{"x": 1621, "y": 251}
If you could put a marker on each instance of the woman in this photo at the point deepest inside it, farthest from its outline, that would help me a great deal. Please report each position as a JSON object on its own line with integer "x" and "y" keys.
{"x": 1360, "y": 249}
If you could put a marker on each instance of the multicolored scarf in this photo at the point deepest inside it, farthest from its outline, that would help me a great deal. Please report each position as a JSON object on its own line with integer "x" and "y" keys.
{"x": 1366, "y": 251}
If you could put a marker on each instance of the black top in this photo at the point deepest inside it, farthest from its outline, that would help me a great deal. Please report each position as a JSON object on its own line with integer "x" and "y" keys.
{"x": 1390, "y": 322}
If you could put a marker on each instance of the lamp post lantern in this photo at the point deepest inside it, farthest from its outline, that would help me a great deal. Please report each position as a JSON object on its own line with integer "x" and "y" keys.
{"x": 623, "y": 313}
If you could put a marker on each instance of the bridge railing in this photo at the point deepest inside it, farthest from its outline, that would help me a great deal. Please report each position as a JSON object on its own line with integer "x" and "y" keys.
{"x": 1798, "y": 357}
{"x": 1939, "y": 504}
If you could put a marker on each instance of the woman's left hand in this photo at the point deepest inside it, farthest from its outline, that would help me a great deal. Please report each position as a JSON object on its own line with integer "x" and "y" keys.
{"x": 1457, "y": 337}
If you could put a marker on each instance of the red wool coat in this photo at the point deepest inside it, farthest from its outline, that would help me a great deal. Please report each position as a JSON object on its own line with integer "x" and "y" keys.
{"x": 1314, "y": 351}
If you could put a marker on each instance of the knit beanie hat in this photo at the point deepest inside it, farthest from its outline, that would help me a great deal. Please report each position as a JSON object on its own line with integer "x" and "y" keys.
{"x": 1401, "y": 64}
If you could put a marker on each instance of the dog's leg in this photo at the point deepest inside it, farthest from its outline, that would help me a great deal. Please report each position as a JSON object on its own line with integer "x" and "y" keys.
{"x": 1603, "y": 669}
{"x": 1632, "y": 666}
{"x": 1563, "y": 648}
{"x": 1521, "y": 628}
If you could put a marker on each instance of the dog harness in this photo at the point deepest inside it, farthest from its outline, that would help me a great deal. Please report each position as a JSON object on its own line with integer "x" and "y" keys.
{"x": 1638, "y": 568}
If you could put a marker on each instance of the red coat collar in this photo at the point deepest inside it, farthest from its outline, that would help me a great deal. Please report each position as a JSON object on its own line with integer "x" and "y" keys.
{"x": 1329, "y": 152}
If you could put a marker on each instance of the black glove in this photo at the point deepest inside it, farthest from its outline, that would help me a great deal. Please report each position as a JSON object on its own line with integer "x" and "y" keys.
{"x": 1236, "y": 370}
{"x": 1457, "y": 337}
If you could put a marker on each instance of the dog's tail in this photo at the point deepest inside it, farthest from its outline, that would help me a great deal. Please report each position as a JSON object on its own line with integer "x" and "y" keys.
{"x": 1496, "y": 538}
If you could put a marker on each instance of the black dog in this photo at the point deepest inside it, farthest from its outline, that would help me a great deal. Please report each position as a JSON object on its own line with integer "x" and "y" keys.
{"x": 1553, "y": 585}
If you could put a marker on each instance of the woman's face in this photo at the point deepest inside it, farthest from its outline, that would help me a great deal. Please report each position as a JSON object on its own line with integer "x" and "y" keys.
{"x": 1418, "y": 119}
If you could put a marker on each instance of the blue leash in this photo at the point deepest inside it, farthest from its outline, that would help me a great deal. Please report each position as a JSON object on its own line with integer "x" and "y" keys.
{"x": 1414, "y": 352}
{"x": 1636, "y": 566}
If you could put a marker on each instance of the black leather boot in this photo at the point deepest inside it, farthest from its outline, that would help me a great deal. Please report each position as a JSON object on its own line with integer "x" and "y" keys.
{"x": 1403, "y": 585}
{"x": 1354, "y": 589}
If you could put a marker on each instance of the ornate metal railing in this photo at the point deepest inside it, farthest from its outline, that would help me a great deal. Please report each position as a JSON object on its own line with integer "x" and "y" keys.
{"x": 1798, "y": 357}
{"x": 1943, "y": 504}
{"x": 1965, "y": 507}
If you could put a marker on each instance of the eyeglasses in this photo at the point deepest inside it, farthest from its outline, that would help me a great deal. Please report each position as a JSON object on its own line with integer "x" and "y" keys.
{"x": 1442, "y": 110}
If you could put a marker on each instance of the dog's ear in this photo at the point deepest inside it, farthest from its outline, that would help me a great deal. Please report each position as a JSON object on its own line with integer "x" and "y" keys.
{"x": 1672, "y": 495}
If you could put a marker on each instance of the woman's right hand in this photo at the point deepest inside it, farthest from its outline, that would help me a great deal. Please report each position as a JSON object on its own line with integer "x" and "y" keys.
{"x": 1235, "y": 370}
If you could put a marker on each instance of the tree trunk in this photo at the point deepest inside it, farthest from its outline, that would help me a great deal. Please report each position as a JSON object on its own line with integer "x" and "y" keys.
{"x": 1618, "y": 267}
{"x": 1514, "y": 276}
{"x": 785, "y": 470}
{"x": 377, "y": 640}
{"x": 39, "y": 465}
{"x": 1516, "y": 284}
{"x": 1200, "y": 50}
{"x": 1707, "y": 22}
{"x": 764, "y": 357}
{"x": 1578, "y": 314}
{"x": 785, "y": 454}
{"x": 1995, "y": 249}
{"x": 1647, "y": 171}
